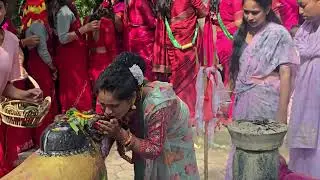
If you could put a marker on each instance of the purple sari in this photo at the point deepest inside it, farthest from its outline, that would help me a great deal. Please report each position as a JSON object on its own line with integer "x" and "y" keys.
{"x": 258, "y": 84}
{"x": 304, "y": 127}
{"x": 257, "y": 90}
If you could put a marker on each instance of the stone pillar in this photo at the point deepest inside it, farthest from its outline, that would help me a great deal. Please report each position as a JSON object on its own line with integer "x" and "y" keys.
{"x": 257, "y": 143}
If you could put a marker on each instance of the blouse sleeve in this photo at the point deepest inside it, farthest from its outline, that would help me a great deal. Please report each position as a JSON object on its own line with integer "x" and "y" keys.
{"x": 201, "y": 9}
{"x": 16, "y": 70}
{"x": 64, "y": 19}
{"x": 286, "y": 52}
{"x": 152, "y": 146}
{"x": 42, "y": 49}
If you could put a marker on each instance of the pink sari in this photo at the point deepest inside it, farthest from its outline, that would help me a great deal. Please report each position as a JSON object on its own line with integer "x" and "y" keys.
{"x": 230, "y": 12}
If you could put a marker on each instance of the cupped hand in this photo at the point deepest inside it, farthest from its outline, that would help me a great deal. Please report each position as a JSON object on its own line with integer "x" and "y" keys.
{"x": 33, "y": 95}
{"x": 110, "y": 128}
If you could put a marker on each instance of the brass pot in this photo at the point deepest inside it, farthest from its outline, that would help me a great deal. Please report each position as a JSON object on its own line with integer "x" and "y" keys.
{"x": 63, "y": 154}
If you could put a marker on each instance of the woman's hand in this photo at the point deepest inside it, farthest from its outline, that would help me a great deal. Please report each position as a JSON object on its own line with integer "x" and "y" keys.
{"x": 110, "y": 128}
{"x": 54, "y": 72}
{"x": 92, "y": 26}
{"x": 31, "y": 41}
{"x": 282, "y": 116}
{"x": 32, "y": 95}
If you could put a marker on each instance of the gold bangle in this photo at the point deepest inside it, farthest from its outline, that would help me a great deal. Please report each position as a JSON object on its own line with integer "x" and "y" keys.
{"x": 128, "y": 141}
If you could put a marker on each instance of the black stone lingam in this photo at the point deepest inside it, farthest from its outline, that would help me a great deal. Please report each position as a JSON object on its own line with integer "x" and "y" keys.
{"x": 59, "y": 139}
{"x": 63, "y": 154}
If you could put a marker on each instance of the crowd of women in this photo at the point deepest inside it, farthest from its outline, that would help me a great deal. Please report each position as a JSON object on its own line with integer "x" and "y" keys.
{"x": 267, "y": 54}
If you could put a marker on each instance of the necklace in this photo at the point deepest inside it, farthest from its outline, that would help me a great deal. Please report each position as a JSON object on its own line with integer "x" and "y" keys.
{"x": 175, "y": 43}
{"x": 223, "y": 27}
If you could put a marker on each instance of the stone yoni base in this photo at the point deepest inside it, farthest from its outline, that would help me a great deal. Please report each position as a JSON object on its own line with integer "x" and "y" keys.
{"x": 255, "y": 165}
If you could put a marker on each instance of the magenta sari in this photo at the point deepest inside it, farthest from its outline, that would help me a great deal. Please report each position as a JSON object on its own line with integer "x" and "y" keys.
{"x": 230, "y": 12}
{"x": 140, "y": 27}
{"x": 289, "y": 13}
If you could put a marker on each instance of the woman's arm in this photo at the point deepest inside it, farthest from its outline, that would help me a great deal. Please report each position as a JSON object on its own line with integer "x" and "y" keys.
{"x": 12, "y": 92}
{"x": 152, "y": 146}
{"x": 42, "y": 49}
{"x": 65, "y": 18}
{"x": 201, "y": 9}
{"x": 285, "y": 91}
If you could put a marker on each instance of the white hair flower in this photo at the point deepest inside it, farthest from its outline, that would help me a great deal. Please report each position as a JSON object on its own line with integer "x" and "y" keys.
{"x": 137, "y": 73}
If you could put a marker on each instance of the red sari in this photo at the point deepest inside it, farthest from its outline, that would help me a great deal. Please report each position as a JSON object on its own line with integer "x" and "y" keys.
{"x": 230, "y": 12}
{"x": 40, "y": 71}
{"x": 4, "y": 166}
{"x": 180, "y": 65}
{"x": 74, "y": 83}
{"x": 140, "y": 27}
{"x": 118, "y": 10}
{"x": 103, "y": 50}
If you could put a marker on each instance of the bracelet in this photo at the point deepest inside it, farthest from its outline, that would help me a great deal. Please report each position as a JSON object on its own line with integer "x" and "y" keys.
{"x": 128, "y": 141}
{"x": 78, "y": 33}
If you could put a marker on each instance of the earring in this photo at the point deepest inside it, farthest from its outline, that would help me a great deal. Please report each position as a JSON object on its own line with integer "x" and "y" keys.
{"x": 133, "y": 107}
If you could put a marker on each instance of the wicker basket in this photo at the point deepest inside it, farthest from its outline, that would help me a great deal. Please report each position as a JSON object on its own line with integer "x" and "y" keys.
{"x": 23, "y": 114}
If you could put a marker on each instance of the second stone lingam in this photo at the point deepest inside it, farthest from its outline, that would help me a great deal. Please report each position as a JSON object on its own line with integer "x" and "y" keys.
{"x": 257, "y": 143}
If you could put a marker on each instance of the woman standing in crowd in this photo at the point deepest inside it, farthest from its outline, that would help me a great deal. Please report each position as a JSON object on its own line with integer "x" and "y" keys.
{"x": 175, "y": 53}
{"x": 71, "y": 54}
{"x": 140, "y": 24}
{"x": 261, "y": 67}
{"x": 40, "y": 62}
{"x": 229, "y": 13}
{"x": 304, "y": 127}
{"x": 102, "y": 43}
{"x": 10, "y": 71}
{"x": 154, "y": 116}
{"x": 18, "y": 139}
